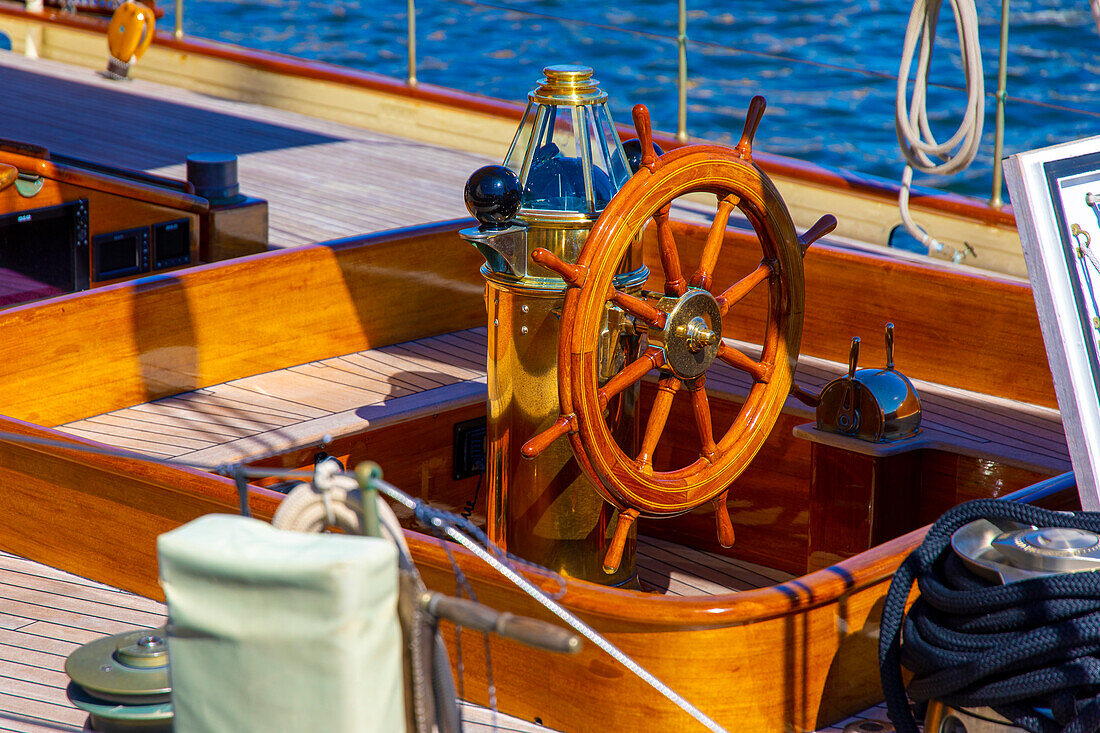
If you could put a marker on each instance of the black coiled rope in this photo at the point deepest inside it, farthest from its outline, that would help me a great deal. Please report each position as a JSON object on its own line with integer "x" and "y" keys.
{"x": 1030, "y": 649}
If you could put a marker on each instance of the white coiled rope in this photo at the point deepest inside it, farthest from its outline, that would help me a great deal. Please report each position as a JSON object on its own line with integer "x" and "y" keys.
{"x": 920, "y": 147}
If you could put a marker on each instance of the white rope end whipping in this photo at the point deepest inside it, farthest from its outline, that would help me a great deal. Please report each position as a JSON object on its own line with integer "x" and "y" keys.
{"x": 915, "y": 230}
{"x": 914, "y": 132}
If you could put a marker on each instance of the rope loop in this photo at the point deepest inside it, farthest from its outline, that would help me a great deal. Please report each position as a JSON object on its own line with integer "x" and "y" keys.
{"x": 1029, "y": 649}
{"x": 918, "y": 143}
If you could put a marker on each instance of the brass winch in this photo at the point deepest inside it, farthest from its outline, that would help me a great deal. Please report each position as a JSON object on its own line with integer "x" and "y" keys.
{"x": 876, "y": 405}
{"x": 564, "y": 166}
{"x": 121, "y": 681}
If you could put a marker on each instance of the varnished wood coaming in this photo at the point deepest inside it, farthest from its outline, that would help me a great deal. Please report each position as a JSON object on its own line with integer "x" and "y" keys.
{"x": 99, "y": 516}
{"x": 114, "y": 347}
{"x": 85, "y": 354}
{"x": 953, "y": 326}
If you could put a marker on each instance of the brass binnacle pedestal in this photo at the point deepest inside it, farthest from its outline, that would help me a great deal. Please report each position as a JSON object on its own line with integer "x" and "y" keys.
{"x": 545, "y": 509}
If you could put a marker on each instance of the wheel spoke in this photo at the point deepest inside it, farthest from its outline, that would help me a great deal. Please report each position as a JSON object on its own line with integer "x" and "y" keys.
{"x": 700, "y": 406}
{"x": 734, "y": 293}
{"x": 805, "y": 397}
{"x": 638, "y": 308}
{"x": 704, "y": 276}
{"x": 658, "y": 416}
{"x": 726, "y": 535}
{"x": 735, "y": 358}
{"x": 675, "y": 284}
{"x": 651, "y": 358}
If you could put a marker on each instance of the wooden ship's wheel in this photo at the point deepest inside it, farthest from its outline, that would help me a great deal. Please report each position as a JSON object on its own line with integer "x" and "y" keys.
{"x": 684, "y": 330}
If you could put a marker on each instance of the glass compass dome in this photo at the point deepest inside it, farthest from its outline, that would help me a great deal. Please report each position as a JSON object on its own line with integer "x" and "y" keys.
{"x": 566, "y": 152}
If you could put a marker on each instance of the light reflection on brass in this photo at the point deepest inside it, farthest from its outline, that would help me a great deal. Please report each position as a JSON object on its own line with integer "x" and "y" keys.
{"x": 544, "y": 509}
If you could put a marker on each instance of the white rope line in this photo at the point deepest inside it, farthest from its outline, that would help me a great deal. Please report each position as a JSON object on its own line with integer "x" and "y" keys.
{"x": 580, "y": 626}
{"x": 918, "y": 144}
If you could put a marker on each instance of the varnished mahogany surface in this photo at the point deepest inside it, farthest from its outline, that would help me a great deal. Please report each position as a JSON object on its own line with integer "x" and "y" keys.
{"x": 127, "y": 344}
{"x": 100, "y": 515}
{"x": 134, "y": 342}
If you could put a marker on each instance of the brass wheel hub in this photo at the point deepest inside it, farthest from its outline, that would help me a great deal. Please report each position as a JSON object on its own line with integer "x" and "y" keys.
{"x": 692, "y": 334}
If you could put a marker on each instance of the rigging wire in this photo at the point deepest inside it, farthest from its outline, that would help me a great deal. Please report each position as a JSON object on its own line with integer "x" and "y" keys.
{"x": 884, "y": 75}
{"x": 922, "y": 150}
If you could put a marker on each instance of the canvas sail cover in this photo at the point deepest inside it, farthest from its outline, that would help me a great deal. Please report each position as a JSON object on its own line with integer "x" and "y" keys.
{"x": 274, "y": 630}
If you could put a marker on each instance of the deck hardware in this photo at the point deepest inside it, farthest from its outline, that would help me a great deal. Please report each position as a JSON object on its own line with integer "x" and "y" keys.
{"x": 122, "y": 682}
{"x": 8, "y": 175}
{"x": 214, "y": 176}
{"x": 129, "y": 35}
{"x": 875, "y": 405}
{"x": 28, "y": 184}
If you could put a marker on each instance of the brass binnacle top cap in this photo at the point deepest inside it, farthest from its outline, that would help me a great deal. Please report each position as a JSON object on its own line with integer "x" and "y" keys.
{"x": 568, "y": 84}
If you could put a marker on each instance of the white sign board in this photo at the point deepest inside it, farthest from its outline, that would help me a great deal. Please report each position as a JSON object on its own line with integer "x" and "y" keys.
{"x": 1056, "y": 198}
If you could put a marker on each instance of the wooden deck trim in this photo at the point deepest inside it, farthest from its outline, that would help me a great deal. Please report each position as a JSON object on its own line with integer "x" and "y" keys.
{"x": 101, "y": 180}
{"x": 170, "y": 333}
{"x": 114, "y": 510}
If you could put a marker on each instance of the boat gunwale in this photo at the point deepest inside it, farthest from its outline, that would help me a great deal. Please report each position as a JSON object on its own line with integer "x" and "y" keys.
{"x": 773, "y": 164}
{"x": 643, "y": 610}
{"x": 179, "y": 278}
{"x": 798, "y": 595}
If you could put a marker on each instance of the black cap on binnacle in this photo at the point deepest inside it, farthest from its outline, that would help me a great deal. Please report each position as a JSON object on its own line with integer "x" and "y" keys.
{"x": 493, "y": 196}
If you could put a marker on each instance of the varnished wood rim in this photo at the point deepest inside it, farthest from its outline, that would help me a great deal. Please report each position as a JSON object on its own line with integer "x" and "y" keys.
{"x": 706, "y": 168}
{"x": 614, "y": 609}
{"x": 106, "y": 183}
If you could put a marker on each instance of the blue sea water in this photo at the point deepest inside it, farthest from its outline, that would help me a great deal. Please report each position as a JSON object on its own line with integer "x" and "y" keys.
{"x": 826, "y": 67}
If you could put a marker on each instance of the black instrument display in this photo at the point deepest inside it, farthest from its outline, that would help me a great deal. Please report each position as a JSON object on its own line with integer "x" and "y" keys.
{"x": 118, "y": 254}
{"x": 171, "y": 244}
{"x": 43, "y": 252}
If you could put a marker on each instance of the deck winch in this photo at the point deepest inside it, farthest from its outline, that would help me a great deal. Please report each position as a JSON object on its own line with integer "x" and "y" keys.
{"x": 876, "y": 405}
{"x": 1006, "y": 552}
{"x": 1004, "y": 634}
{"x": 565, "y": 164}
{"x": 121, "y": 681}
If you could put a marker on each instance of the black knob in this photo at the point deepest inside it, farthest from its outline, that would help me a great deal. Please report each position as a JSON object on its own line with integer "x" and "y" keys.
{"x": 493, "y": 196}
{"x": 633, "y": 150}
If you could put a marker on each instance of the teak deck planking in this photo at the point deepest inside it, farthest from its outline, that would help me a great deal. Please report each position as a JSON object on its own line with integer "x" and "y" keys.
{"x": 235, "y": 421}
{"x": 322, "y": 180}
